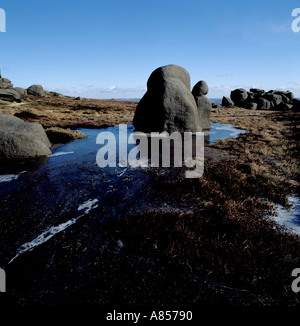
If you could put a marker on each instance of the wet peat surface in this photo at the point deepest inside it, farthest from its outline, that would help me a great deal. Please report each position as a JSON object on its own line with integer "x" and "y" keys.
{"x": 58, "y": 245}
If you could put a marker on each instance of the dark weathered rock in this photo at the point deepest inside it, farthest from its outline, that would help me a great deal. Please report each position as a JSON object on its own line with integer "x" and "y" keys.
{"x": 163, "y": 73}
{"x": 170, "y": 108}
{"x": 20, "y": 90}
{"x": 263, "y": 104}
{"x": 285, "y": 99}
{"x": 201, "y": 88}
{"x": 290, "y": 95}
{"x": 239, "y": 96}
{"x": 296, "y": 104}
{"x": 5, "y": 85}
{"x": 275, "y": 99}
{"x": 284, "y": 106}
{"x": 251, "y": 106}
{"x": 204, "y": 110}
{"x": 9, "y": 95}
{"x": 257, "y": 91}
{"x": 261, "y": 100}
{"x": 226, "y": 101}
{"x": 251, "y": 97}
{"x": 168, "y": 105}
{"x": 19, "y": 139}
{"x": 36, "y": 90}
{"x": 287, "y": 94}
{"x": 55, "y": 94}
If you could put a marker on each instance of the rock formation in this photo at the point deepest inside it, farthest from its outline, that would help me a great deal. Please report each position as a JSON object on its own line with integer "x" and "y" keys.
{"x": 258, "y": 99}
{"x": 36, "y": 90}
{"x": 9, "y": 93}
{"x": 19, "y": 139}
{"x": 168, "y": 105}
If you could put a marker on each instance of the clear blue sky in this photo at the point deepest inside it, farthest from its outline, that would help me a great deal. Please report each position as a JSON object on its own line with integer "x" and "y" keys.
{"x": 108, "y": 48}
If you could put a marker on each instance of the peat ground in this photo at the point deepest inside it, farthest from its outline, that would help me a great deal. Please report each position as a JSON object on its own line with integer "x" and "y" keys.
{"x": 184, "y": 242}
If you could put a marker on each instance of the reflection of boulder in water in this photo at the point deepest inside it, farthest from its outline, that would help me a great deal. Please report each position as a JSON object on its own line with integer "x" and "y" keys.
{"x": 19, "y": 139}
{"x": 168, "y": 105}
{"x": 16, "y": 166}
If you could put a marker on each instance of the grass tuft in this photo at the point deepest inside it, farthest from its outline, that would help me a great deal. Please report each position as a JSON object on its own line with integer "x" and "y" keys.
{"x": 58, "y": 135}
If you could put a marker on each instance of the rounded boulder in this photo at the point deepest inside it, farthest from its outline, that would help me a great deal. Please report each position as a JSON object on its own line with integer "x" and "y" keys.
{"x": 19, "y": 139}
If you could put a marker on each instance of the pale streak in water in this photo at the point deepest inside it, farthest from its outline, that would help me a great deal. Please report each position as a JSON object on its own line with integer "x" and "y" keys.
{"x": 53, "y": 230}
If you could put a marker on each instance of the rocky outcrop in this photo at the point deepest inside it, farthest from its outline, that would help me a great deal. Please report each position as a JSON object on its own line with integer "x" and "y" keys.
{"x": 5, "y": 83}
{"x": 19, "y": 139}
{"x": 168, "y": 105}
{"x": 258, "y": 99}
{"x": 36, "y": 90}
{"x": 9, "y": 95}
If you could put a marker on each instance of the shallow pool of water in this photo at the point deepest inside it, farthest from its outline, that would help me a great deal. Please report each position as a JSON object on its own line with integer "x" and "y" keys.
{"x": 223, "y": 131}
{"x": 49, "y": 192}
{"x": 290, "y": 218}
{"x": 87, "y": 147}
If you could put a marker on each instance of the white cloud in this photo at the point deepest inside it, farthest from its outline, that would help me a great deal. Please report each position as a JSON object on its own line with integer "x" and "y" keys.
{"x": 224, "y": 75}
{"x": 91, "y": 91}
{"x": 215, "y": 91}
{"x": 219, "y": 91}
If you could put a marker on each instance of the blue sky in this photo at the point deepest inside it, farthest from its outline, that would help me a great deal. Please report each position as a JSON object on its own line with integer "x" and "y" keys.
{"x": 108, "y": 48}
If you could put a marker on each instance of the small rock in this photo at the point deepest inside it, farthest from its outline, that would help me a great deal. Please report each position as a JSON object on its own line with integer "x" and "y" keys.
{"x": 201, "y": 88}
{"x": 226, "y": 101}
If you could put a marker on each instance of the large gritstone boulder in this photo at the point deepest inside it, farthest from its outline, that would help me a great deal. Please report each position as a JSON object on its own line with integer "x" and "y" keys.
{"x": 168, "y": 105}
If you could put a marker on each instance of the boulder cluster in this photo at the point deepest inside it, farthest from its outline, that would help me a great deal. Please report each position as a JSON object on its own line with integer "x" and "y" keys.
{"x": 258, "y": 99}
{"x": 169, "y": 105}
{"x": 9, "y": 93}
